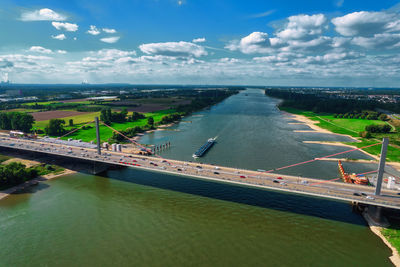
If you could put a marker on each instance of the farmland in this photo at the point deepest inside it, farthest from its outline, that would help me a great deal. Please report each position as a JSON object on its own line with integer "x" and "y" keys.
{"x": 48, "y": 115}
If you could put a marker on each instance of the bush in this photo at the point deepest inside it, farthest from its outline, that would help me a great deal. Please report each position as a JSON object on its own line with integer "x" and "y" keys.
{"x": 365, "y": 134}
{"x": 373, "y": 128}
{"x": 383, "y": 117}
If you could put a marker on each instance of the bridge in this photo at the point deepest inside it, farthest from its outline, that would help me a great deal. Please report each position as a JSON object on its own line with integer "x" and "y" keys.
{"x": 330, "y": 189}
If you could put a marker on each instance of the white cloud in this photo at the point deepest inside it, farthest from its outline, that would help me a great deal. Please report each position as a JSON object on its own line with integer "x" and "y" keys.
{"x": 378, "y": 41}
{"x": 256, "y": 42}
{"x": 61, "y": 52}
{"x": 114, "y": 53}
{"x": 93, "y": 30}
{"x": 111, "y": 31}
{"x": 59, "y": 37}
{"x": 174, "y": 49}
{"x": 366, "y": 23}
{"x": 110, "y": 40}
{"x": 303, "y": 27}
{"x": 199, "y": 40}
{"x": 40, "y": 49}
{"x": 42, "y": 14}
{"x": 70, "y": 27}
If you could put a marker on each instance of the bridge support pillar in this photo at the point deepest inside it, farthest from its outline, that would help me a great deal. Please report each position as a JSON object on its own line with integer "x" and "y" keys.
{"x": 373, "y": 215}
{"x": 96, "y": 120}
{"x": 381, "y": 168}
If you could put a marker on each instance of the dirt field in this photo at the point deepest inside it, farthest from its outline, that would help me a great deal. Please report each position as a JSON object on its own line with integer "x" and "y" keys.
{"x": 74, "y": 100}
{"x": 144, "y": 108}
{"x": 55, "y": 114}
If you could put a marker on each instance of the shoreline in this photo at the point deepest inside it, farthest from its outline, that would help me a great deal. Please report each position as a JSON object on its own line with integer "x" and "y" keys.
{"x": 395, "y": 257}
{"x": 7, "y": 192}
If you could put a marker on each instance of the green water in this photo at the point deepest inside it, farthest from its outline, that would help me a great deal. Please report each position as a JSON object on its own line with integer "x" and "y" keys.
{"x": 135, "y": 218}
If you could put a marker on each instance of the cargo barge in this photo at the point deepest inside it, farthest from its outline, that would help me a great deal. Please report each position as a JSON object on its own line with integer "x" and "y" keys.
{"x": 352, "y": 178}
{"x": 203, "y": 149}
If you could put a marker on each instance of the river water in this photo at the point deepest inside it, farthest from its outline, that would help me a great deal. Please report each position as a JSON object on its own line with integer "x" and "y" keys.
{"x": 136, "y": 218}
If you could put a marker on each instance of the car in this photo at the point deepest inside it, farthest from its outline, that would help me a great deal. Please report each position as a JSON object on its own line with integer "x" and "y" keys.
{"x": 279, "y": 178}
{"x": 276, "y": 181}
{"x": 357, "y": 194}
{"x": 155, "y": 164}
{"x": 216, "y": 172}
{"x": 242, "y": 176}
{"x": 283, "y": 183}
{"x": 217, "y": 168}
{"x": 363, "y": 194}
{"x": 180, "y": 170}
{"x": 199, "y": 167}
{"x": 369, "y": 197}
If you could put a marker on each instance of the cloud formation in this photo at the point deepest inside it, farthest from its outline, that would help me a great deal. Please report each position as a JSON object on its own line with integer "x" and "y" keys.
{"x": 42, "y": 14}
{"x": 199, "y": 40}
{"x": 59, "y": 37}
{"x": 111, "y": 31}
{"x": 93, "y": 30}
{"x": 69, "y": 27}
{"x": 256, "y": 42}
{"x": 174, "y": 49}
{"x": 40, "y": 49}
{"x": 302, "y": 27}
{"x": 110, "y": 40}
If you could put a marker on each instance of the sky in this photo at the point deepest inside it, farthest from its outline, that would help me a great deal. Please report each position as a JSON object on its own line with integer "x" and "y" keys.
{"x": 208, "y": 42}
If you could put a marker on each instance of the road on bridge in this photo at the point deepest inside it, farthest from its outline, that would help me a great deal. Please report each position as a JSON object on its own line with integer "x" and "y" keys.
{"x": 292, "y": 184}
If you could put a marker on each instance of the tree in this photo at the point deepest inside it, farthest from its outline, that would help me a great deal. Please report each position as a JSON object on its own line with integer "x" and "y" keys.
{"x": 383, "y": 117}
{"x": 16, "y": 121}
{"x": 136, "y": 116}
{"x": 55, "y": 127}
{"x": 150, "y": 121}
{"x": 71, "y": 122}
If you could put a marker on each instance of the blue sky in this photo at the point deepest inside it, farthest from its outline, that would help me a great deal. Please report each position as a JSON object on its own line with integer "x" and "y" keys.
{"x": 289, "y": 43}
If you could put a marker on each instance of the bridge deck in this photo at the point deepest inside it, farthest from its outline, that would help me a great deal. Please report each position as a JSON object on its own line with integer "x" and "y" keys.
{"x": 286, "y": 183}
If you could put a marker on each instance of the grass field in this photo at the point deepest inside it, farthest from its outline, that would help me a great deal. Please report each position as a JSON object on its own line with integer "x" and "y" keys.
{"x": 393, "y": 236}
{"x": 105, "y": 133}
{"x": 350, "y": 127}
{"x": 27, "y": 110}
{"x": 79, "y": 119}
{"x": 46, "y": 103}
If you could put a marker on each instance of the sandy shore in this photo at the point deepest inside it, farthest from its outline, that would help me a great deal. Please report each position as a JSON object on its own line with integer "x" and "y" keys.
{"x": 312, "y": 124}
{"x": 395, "y": 258}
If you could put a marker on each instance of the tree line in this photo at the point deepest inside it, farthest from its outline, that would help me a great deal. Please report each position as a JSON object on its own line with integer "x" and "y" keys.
{"x": 15, "y": 173}
{"x": 16, "y": 121}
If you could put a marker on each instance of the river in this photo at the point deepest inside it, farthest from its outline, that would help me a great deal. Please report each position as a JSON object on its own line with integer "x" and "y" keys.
{"x": 136, "y": 218}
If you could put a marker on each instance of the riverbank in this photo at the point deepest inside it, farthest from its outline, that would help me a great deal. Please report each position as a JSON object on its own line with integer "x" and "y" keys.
{"x": 7, "y": 192}
{"x": 29, "y": 163}
{"x": 395, "y": 258}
